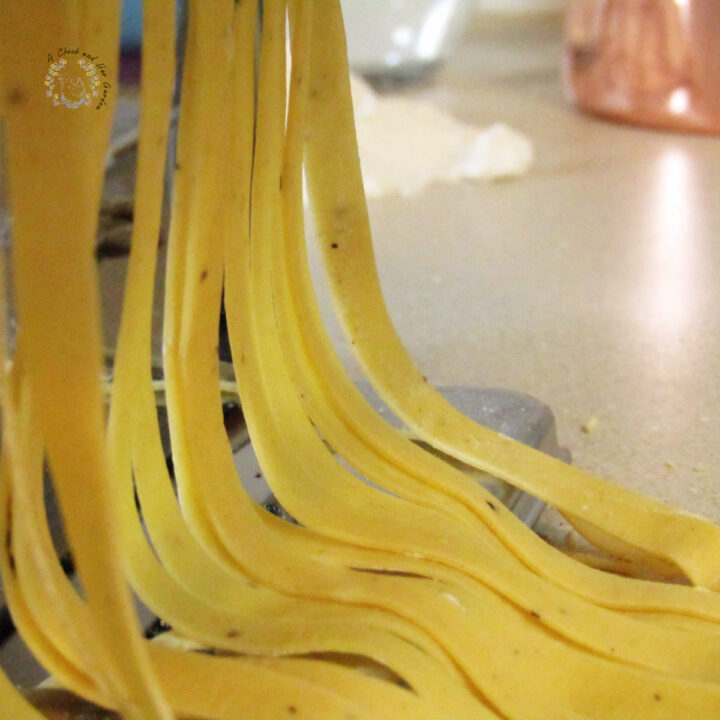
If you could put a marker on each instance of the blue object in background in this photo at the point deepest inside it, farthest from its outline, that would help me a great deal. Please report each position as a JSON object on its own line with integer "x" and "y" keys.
{"x": 132, "y": 14}
{"x": 131, "y": 33}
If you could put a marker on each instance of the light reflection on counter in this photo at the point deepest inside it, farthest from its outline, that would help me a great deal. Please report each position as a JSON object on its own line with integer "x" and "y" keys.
{"x": 667, "y": 292}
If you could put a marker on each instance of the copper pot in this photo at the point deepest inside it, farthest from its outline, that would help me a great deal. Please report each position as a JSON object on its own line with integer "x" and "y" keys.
{"x": 650, "y": 62}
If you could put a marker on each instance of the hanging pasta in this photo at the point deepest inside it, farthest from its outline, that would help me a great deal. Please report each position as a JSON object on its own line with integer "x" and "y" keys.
{"x": 416, "y": 596}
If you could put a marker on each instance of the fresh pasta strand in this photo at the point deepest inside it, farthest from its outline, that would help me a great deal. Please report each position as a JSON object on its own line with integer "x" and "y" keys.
{"x": 33, "y": 632}
{"x": 10, "y": 697}
{"x": 58, "y": 321}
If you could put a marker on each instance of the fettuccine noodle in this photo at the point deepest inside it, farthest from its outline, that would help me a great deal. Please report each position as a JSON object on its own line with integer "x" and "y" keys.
{"x": 419, "y": 596}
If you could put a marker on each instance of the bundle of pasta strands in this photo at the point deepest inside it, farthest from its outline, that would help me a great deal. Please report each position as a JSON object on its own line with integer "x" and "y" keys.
{"x": 428, "y": 600}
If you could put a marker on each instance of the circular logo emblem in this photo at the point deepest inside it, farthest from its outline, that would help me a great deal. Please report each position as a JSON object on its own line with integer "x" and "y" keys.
{"x": 72, "y": 84}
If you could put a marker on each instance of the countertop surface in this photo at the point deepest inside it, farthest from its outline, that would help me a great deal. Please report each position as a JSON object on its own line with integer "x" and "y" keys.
{"x": 592, "y": 283}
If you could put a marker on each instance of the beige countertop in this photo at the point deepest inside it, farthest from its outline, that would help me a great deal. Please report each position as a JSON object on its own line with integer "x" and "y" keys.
{"x": 592, "y": 283}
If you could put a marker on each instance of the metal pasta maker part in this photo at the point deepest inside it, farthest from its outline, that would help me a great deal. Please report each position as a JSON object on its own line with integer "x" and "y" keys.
{"x": 513, "y": 414}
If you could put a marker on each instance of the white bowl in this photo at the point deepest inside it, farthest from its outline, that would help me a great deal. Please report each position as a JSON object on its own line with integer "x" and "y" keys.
{"x": 402, "y": 38}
